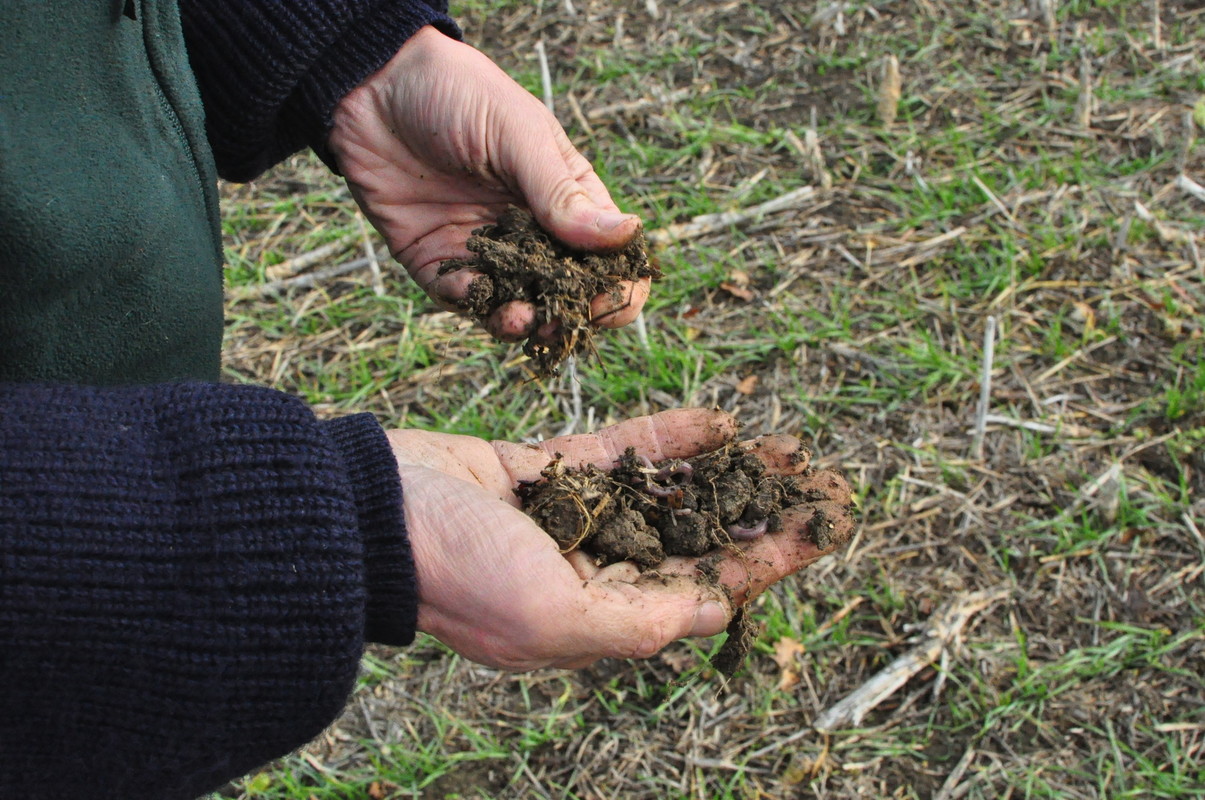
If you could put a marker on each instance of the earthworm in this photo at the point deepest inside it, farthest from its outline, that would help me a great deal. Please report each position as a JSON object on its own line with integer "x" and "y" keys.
{"x": 661, "y": 491}
{"x": 682, "y": 468}
{"x": 740, "y": 533}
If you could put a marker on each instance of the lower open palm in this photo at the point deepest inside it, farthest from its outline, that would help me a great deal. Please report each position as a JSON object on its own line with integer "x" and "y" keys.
{"x": 495, "y": 588}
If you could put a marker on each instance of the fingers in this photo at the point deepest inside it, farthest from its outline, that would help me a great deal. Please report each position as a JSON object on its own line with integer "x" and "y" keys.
{"x": 809, "y": 532}
{"x": 565, "y": 194}
{"x": 782, "y": 454}
{"x": 512, "y": 321}
{"x": 621, "y": 307}
{"x": 679, "y": 433}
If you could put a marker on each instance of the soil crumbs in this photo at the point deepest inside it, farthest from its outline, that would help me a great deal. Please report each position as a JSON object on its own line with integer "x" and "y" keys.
{"x": 645, "y": 512}
{"x": 519, "y": 261}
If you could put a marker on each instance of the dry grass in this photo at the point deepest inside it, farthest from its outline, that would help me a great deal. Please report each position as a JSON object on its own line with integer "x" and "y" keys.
{"x": 1028, "y": 174}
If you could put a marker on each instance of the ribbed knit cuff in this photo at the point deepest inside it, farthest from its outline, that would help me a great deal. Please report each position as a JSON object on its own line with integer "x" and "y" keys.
{"x": 271, "y": 73}
{"x": 358, "y": 54}
{"x": 392, "y": 612}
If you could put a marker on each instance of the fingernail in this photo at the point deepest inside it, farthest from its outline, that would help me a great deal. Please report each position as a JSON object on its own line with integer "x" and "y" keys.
{"x": 610, "y": 220}
{"x": 710, "y": 619}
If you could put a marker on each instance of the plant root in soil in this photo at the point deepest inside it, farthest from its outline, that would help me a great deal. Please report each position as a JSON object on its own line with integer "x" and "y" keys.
{"x": 645, "y": 512}
{"x": 519, "y": 261}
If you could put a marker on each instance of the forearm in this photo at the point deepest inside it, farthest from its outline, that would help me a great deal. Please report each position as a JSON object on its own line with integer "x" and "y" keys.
{"x": 271, "y": 72}
{"x": 184, "y": 582}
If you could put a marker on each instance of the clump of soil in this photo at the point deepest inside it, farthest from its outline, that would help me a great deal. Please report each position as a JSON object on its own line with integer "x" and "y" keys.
{"x": 645, "y": 512}
{"x": 519, "y": 260}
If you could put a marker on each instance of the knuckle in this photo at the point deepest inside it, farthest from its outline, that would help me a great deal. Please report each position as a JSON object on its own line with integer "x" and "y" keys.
{"x": 641, "y": 644}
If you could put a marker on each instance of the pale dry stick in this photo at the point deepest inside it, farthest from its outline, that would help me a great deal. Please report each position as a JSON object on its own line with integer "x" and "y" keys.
{"x": 1156, "y": 25}
{"x": 710, "y": 223}
{"x": 912, "y": 165}
{"x": 890, "y": 89}
{"x": 651, "y": 7}
{"x": 642, "y": 331}
{"x": 1192, "y": 526}
{"x": 1103, "y": 492}
{"x": 545, "y": 75}
{"x": 1065, "y": 428}
{"x": 942, "y": 628}
{"x": 374, "y": 265}
{"x": 569, "y": 9}
{"x": 985, "y": 387}
{"x": 292, "y": 266}
{"x": 914, "y": 250}
{"x": 576, "y": 108}
{"x": 808, "y": 149}
{"x": 1083, "y": 106}
{"x": 1188, "y": 145}
{"x": 307, "y": 281}
{"x": 1046, "y": 11}
{"x": 1165, "y": 232}
{"x": 946, "y": 792}
{"x": 994, "y": 199}
{"x": 1189, "y": 186}
{"x": 632, "y": 106}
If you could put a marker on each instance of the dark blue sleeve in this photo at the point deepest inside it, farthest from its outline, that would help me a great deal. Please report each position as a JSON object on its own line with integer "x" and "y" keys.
{"x": 271, "y": 71}
{"x": 187, "y": 575}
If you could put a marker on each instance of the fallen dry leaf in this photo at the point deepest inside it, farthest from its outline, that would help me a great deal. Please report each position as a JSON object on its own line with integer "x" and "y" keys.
{"x": 737, "y": 291}
{"x": 785, "y": 651}
{"x": 747, "y": 385}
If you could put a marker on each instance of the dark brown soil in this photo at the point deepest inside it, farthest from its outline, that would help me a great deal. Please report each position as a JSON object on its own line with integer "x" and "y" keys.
{"x": 644, "y": 512}
{"x": 518, "y": 260}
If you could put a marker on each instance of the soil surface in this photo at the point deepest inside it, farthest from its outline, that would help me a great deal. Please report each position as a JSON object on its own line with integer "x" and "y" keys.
{"x": 645, "y": 512}
{"x": 519, "y": 260}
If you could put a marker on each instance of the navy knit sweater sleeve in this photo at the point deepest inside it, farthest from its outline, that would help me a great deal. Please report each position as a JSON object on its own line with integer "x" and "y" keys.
{"x": 187, "y": 576}
{"x": 271, "y": 71}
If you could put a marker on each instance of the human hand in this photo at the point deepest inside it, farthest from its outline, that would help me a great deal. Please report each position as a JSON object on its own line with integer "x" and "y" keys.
{"x": 439, "y": 141}
{"x": 494, "y": 587}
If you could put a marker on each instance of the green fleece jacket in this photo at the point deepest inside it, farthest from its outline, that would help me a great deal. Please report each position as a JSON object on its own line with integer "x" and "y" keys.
{"x": 105, "y": 279}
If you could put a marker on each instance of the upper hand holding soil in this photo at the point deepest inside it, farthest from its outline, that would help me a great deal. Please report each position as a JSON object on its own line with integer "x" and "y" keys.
{"x": 439, "y": 142}
{"x": 497, "y": 589}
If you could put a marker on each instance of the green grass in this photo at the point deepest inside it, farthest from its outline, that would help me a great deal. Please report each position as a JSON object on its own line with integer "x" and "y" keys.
{"x": 1086, "y": 682}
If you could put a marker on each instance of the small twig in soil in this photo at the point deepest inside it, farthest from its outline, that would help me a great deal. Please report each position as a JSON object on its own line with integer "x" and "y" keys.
{"x": 374, "y": 264}
{"x": 985, "y": 387}
{"x": 632, "y": 106}
{"x": 889, "y": 91}
{"x": 545, "y": 75}
{"x": 952, "y": 781}
{"x": 307, "y": 281}
{"x": 1083, "y": 106}
{"x": 642, "y": 332}
{"x": 709, "y": 223}
{"x": 942, "y": 628}
{"x": 298, "y": 264}
{"x": 1188, "y": 185}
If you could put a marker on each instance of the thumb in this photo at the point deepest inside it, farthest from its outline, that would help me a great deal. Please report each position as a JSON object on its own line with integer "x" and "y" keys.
{"x": 637, "y": 620}
{"x": 567, "y": 197}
